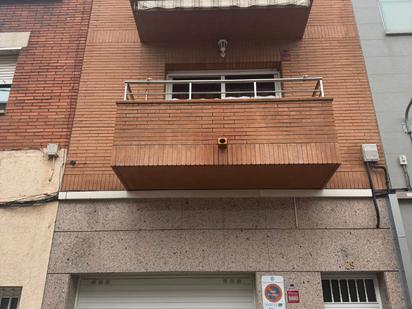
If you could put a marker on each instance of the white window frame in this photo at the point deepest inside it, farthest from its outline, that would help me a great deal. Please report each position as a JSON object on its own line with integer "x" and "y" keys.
{"x": 222, "y": 74}
{"x": 358, "y": 305}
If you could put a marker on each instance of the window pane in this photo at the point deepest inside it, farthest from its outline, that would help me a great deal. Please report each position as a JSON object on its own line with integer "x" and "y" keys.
{"x": 361, "y": 291}
{"x": 14, "y": 302}
{"x": 4, "y": 93}
{"x": 327, "y": 293}
{"x": 397, "y": 16}
{"x": 335, "y": 291}
{"x": 370, "y": 290}
{"x": 352, "y": 291}
{"x": 4, "y": 303}
{"x": 206, "y": 91}
{"x": 344, "y": 290}
{"x": 199, "y": 90}
{"x": 238, "y": 90}
{"x": 180, "y": 91}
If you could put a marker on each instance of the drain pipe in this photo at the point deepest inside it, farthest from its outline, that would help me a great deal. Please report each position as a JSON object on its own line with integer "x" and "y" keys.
{"x": 371, "y": 158}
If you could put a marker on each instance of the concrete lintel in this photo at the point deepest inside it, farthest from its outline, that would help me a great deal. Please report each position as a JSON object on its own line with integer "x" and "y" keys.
{"x": 98, "y": 195}
{"x": 13, "y": 41}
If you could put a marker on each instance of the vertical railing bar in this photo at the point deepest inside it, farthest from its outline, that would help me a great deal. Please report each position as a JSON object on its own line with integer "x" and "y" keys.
{"x": 357, "y": 289}
{"x": 340, "y": 290}
{"x": 366, "y": 292}
{"x": 331, "y": 291}
{"x": 255, "y": 89}
{"x": 322, "y": 94}
{"x": 223, "y": 87}
{"x": 146, "y": 93}
{"x": 125, "y": 95}
{"x": 317, "y": 90}
{"x": 190, "y": 91}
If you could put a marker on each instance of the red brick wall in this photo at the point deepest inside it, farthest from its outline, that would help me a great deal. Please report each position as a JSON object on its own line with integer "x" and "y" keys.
{"x": 202, "y": 122}
{"x": 330, "y": 48}
{"x": 45, "y": 86}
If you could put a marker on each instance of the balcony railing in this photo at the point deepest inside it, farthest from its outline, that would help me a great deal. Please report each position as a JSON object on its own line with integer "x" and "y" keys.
{"x": 136, "y": 90}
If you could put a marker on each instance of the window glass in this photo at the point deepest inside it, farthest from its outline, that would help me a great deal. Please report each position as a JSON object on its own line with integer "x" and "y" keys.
{"x": 4, "y": 93}
{"x": 4, "y": 96}
{"x": 14, "y": 302}
{"x": 225, "y": 88}
{"x": 239, "y": 90}
{"x": 327, "y": 293}
{"x": 352, "y": 291}
{"x": 370, "y": 290}
{"x": 199, "y": 90}
{"x": 335, "y": 291}
{"x": 397, "y": 15}
{"x": 344, "y": 290}
{"x": 361, "y": 291}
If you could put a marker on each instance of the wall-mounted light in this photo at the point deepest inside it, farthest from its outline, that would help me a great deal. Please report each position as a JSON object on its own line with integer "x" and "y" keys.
{"x": 222, "y": 47}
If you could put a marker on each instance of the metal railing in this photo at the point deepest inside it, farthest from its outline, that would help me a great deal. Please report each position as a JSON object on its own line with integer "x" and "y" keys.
{"x": 163, "y": 89}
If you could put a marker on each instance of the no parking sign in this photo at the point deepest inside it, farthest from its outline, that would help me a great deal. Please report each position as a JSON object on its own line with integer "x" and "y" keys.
{"x": 273, "y": 292}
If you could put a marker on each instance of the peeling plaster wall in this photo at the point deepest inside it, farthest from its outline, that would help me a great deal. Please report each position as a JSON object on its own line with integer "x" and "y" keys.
{"x": 26, "y": 232}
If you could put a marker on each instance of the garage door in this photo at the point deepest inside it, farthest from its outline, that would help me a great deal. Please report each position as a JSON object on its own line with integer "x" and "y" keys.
{"x": 228, "y": 292}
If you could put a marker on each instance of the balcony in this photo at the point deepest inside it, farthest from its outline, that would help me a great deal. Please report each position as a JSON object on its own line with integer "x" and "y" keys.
{"x": 279, "y": 139}
{"x": 166, "y": 20}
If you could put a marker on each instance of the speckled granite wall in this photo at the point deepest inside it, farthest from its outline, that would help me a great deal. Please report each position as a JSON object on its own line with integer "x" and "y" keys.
{"x": 299, "y": 238}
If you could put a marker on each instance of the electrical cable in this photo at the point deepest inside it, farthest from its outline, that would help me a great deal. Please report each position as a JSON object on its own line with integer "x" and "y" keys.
{"x": 387, "y": 180}
{"x": 375, "y": 202}
{"x": 31, "y": 200}
{"x": 408, "y": 130}
{"x": 407, "y": 178}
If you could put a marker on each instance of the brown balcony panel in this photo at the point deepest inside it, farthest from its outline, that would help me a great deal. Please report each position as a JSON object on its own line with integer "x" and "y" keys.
{"x": 231, "y": 23}
{"x": 273, "y": 143}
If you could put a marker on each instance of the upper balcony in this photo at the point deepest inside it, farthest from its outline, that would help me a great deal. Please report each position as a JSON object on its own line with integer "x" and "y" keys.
{"x": 182, "y": 20}
{"x": 255, "y": 137}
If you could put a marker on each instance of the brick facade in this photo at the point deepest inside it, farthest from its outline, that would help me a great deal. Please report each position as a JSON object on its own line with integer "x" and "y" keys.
{"x": 330, "y": 48}
{"x": 45, "y": 86}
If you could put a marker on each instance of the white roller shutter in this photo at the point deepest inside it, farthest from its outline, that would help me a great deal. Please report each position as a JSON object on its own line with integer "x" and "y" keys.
{"x": 231, "y": 292}
{"x": 7, "y": 68}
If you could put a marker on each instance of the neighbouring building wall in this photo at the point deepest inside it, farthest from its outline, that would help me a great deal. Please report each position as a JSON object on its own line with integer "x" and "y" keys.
{"x": 26, "y": 232}
{"x": 46, "y": 80}
{"x": 388, "y": 60}
{"x": 299, "y": 238}
{"x": 39, "y": 111}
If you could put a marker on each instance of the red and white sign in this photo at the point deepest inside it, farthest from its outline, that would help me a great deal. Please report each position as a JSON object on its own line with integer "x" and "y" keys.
{"x": 273, "y": 294}
{"x": 293, "y": 296}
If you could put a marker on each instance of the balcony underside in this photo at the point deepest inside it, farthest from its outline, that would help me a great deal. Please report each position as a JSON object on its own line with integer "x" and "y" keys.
{"x": 270, "y": 22}
{"x": 259, "y": 166}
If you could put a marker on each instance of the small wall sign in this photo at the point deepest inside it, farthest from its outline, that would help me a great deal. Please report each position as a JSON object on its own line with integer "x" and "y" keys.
{"x": 293, "y": 296}
{"x": 273, "y": 292}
